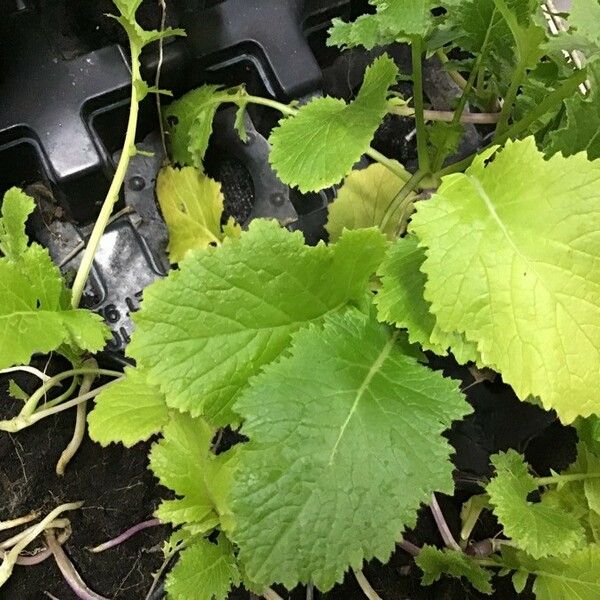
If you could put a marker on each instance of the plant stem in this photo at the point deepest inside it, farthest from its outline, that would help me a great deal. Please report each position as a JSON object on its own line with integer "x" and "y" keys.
{"x": 7, "y": 566}
{"x": 442, "y": 526}
{"x": 23, "y": 421}
{"x": 270, "y": 594}
{"x": 31, "y": 405}
{"x": 15, "y": 539}
{"x": 126, "y": 535}
{"x": 520, "y": 69}
{"x": 12, "y": 523}
{"x": 365, "y": 586}
{"x": 69, "y": 572}
{"x": 28, "y": 369}
{"x": 447, "y": 116}
{"x": 161, "y": 126}
{"x": 66, "y": 394}
{"x": 409, "y": 547}
{"x": 460, "y": 81}
{"x": 556, "y": 479}
{"x": 79, "y": 431}
{"x": 402, "y": 195}
{"x": 112, "y": 196}
{"x": 568, "y": 88}
{"x": 392, "y": 165}
{"x": 417, "y": 66}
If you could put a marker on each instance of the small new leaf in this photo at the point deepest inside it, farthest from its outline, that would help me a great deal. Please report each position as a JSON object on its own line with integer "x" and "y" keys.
{"x": 539, "y": 529}
{"x": 192, "y": 205}
{"x": 348, "y": 386}
{"x": 183, "y": 461}
{"x": 319, "y": 146}
{"x": 129, "y": 411}
{"x": 204, "y": 571}
{"x": 189, "y": 123}
{"x": 393, "y": 21}
{"x": 434, "y": 563}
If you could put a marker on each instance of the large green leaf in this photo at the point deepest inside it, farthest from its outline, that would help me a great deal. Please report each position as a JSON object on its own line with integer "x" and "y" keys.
{"x": 345, "y": 444}
{"x": 207, "y": 328}
{"x": 320, "y": 145}
{"x": 513, "y": 263}
{"x": 35, "y": 311}
{"x": 540, "y": 529}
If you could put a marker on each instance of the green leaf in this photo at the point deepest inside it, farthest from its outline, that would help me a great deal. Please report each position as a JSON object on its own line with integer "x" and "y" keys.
{"x": 518, "y": 276}
{"x": 320, "y": 145}
{"x": 581, "y": 498}
{"x": 192, "y": 205}
{"x": 584, "y": 16}
{"x": 206, "y": 329}
{"x": 345, "y": 444}
{"x": 16, "y": 392}
{"x": 183, "y": 461}
{"x": 434, "y": 563}
{"x": 581, "y": 129}
{"x": 394, "y": 20}
{"x": 35, "y": 312}
{"x": 400, "y": 301}
{"x": 472, "y": 21}
{"x": 129, "y": 411}
{"x": 139, "y": 37}
{"x": 189, "y": 122}
{"x": 574, "y": 577}
{"x": 363, "y": 201}
{"x": 16, "y": 208}
{"x": 539, "y": 529}
{"x": 204, "y": 571}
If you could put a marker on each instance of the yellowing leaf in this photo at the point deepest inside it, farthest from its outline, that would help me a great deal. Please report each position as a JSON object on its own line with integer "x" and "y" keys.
{"x": 513, "y": 263}
{"x": 363, "y": 201}
{"x": 192, "y": 205}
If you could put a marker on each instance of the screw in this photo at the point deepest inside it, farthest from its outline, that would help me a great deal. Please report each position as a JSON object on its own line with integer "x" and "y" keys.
{"x": 137, "y": 183}
{"x": 277, "y": 199}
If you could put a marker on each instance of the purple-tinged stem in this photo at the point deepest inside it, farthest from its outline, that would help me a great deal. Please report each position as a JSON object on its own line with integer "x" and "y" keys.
{"x": 409, "y": 547}
{"x": 72, "y": 577}
{"x": 442, "y": 526}
{"x": 126, "y": 535}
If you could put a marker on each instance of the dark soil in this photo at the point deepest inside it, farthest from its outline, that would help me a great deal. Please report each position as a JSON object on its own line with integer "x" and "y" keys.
{"x": 116, "y": 487}
{"x": 119, "y": 492}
